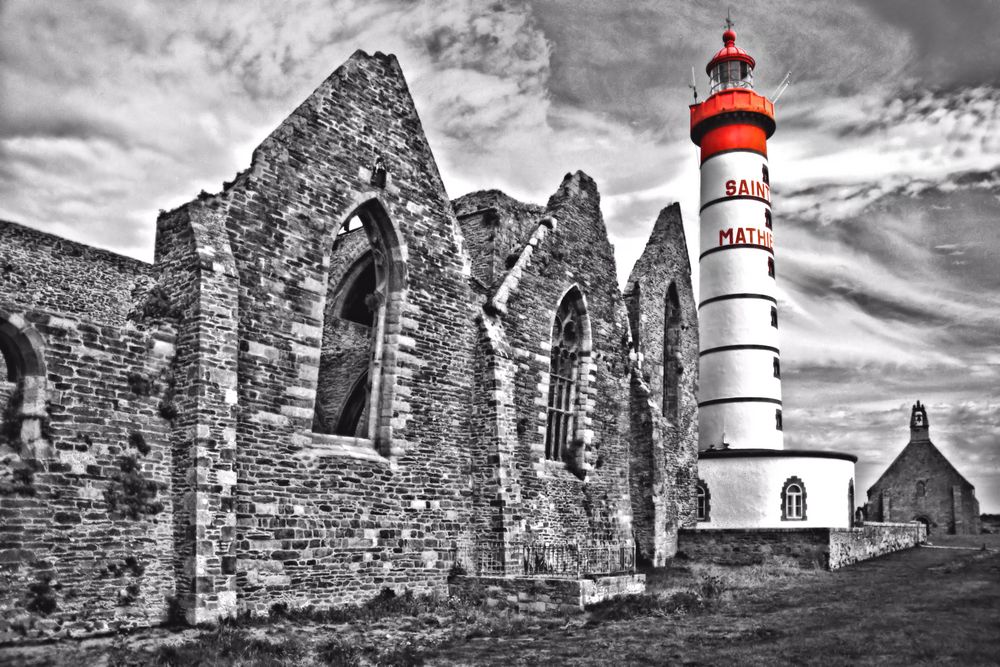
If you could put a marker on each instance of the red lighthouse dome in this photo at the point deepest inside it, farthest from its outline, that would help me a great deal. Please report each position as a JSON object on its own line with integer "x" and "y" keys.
{"x": 731, "y": 66}
{"x": 734, "y": 115}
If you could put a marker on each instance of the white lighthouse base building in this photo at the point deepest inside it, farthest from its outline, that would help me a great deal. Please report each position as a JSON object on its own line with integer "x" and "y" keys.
{"x": 775, "y": 488}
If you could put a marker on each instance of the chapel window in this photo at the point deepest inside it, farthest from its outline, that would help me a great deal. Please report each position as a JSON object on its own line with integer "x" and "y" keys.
{"x": 921, "y": 489}
{"x": 793, "y": 500}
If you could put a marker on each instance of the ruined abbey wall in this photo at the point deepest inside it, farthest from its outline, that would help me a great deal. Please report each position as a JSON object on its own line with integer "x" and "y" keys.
{"x": 664, "y": 436}
{"x": 316, "y": 518}
{"x": 167, "y": 442}
{"x": 86, "y": 536}
{"x": 583, "y": 495}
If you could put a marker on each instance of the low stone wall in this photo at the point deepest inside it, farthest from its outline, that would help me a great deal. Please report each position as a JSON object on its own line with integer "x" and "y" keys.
{"x": 871, "y": 540}
{"x": 829, "y": 548}
{"x": 538, "y": 595}
{"x": 804, "y": 547}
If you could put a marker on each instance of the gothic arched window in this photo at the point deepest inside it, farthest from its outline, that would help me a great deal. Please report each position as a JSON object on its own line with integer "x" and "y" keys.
{"x": 793, "y": 500}
{"x": 570, "y": 344}
{"x": 671, "y": 354}
{"x": 365, "y": 280}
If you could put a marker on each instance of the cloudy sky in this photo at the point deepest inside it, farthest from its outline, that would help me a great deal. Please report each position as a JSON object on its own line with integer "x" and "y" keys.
{"x": 885, "y": 166}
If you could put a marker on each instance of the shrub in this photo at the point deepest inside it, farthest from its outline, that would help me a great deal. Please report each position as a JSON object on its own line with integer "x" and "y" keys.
{"x": 138, "y": 441}
{"x": 42, "y": 595}
{"x": 339, "y": 651}
{"x": 130, "y": 493}
{"x": 139, "y": 384}
{"x": 225, "y": 645}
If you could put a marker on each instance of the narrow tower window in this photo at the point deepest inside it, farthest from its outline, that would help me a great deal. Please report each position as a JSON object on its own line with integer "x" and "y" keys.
{"x": 767, "y": 218}
{"x": 770, "y": 267}
{"x": 765, "y": 175}
{"x": 671, "y": 354}
{"x": 702, "y": 501}
{"x": 774, "y": 317}
{"x": 777, "y": 368}
{"x": 777, "y": 420}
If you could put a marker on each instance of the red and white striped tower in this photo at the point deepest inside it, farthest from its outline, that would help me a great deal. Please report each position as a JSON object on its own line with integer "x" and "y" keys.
{"x": 740, "y": 387}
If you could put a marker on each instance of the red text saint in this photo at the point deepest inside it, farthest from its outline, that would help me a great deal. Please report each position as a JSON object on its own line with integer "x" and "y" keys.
{"x": 745, "y": 188}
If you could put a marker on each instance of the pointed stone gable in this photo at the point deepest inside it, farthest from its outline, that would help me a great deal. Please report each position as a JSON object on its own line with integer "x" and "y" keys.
{"x": 664, "y": 446}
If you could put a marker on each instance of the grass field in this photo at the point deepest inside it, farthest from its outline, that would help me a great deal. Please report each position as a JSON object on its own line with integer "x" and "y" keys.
{"x": 923, "y": 606}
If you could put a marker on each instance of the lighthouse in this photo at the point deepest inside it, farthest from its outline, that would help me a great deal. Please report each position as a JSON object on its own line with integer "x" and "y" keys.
{"x": 739, "y": 402}
{"x": 747, "y": 479}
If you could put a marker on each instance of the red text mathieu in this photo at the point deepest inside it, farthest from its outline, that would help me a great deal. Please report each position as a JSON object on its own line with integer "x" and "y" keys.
{"x": 747, "y": 188}
{"x": 746, "y": 236}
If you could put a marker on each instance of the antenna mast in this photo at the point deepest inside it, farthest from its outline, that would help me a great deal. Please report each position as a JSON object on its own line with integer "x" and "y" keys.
{"x": 694, "y": 85}
{"x": 781, "y": 87}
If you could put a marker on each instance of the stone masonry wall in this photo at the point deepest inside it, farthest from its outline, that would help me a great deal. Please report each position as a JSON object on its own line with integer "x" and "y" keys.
{"x": 495, "y": 227}
{"x": 86, "y": 517}
{"x": 808, "y": 548}
{"x": 317, "y": 521}
{"x": 803, "y": 547}
{"x": 535, "y": 498}
{"x": 850, "y": 545}
{"x": 664, "y": 454}
{"x": 39, "y": 271}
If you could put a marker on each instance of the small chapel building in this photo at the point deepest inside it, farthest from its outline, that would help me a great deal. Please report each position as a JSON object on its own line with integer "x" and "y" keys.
{"x": 922, "y": 485}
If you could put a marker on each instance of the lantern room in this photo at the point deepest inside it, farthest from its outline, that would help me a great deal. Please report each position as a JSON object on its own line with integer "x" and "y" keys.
{"x": 731, "y": 67}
